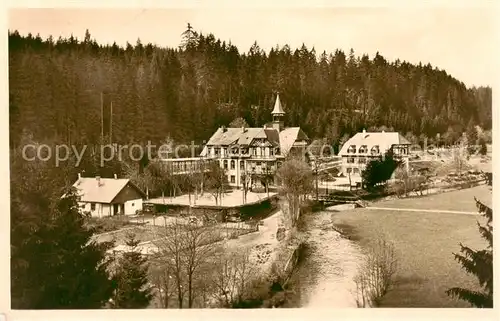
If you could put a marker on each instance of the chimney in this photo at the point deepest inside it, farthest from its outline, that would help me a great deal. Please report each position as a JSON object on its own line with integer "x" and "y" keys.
{"x": 364, "y": 130}
{"x": 223, "y": 129}
{"x": 116, "y": 176}
{"x": 98, "y": 179}
{"x": 79, "y": 175}
{"x": 383, "y": 131}
{"x": 243, "y": 129}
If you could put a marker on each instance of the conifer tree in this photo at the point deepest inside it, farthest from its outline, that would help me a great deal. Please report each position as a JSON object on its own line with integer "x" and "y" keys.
{"x": 63, "y": 268}
{"x": 471, "y": 133}
{"x": 133, "y": 290}
{"x": 478, "y": 263}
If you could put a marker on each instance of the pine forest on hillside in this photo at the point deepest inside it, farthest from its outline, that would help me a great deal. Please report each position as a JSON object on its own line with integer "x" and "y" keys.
{"x": 186, "y": 93}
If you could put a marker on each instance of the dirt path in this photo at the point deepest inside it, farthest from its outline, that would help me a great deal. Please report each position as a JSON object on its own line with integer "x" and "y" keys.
{"x": 419, "y": 210}
{"x": 324, "y": 279}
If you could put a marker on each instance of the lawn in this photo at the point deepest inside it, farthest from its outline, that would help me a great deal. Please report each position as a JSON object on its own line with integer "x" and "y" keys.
{"x": 424, "y": 243}
{"x": 462, "y": 200}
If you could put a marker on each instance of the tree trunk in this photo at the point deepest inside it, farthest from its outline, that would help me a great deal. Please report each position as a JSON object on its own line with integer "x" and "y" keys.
{"x": 317, "y": 184}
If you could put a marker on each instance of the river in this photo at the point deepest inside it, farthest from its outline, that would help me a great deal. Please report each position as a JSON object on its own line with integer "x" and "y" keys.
{"x": 325, "y": 275}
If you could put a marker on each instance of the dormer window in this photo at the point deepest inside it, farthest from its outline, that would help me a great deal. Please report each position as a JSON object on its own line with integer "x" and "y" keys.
{"x": 352, "y": 149}
{"x": 375, "y": 150}
{"x": 363, "y": 149}
{"x": 234, "y": 150}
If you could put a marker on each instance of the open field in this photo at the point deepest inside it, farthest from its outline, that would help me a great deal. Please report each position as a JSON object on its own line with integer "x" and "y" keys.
{"x": 461, "y": 200}
{"x": 424, "y": 243}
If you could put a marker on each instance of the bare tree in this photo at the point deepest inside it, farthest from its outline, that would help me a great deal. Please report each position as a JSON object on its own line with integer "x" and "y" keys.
{"x": 296, "y": 182}
{"x": 186, "y": 248}
{"x": 216, "y": 182}
{"x": 164, "y": 283}
{"x": 245, "y": 184}
{"x": 460, "y": 155}
{"x": 233, "y": 273}
{"x": 376, "y": 275}
{"x": 160, "y": 177}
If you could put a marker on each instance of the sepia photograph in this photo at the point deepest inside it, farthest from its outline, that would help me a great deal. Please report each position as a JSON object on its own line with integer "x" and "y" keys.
{"x": 250, "y": 157}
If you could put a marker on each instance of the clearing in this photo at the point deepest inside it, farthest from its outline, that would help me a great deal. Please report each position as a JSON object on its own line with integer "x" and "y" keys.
{"x": 424, "y": 243}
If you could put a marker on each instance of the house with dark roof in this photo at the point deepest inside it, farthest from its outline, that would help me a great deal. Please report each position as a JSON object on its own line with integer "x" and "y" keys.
{"x": 245, "y": 152}
{"x": 363, "y": 147}
{"x": 108, "y": 196}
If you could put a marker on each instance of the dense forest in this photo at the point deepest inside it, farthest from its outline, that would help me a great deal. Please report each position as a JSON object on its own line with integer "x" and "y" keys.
{"x": 57, "y": 88}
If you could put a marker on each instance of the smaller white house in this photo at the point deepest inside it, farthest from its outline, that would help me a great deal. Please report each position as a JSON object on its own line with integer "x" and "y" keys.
{"x": 363, "y": 147}
{"x": 108, "y": 196}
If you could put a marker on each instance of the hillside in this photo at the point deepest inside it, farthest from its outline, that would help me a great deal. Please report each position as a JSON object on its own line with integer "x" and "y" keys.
{"x": 188, "y": 92}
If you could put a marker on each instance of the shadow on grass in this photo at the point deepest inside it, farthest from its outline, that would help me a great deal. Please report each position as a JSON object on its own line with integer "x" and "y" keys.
{"x": 400, "y": 292}
{"x": 347, "y": 231}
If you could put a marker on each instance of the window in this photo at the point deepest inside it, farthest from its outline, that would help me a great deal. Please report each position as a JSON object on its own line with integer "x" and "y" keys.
{"x": 233, "y": 164}
{"x": 242, "y": 165}
{"x": 352, "y": 149}
{"x": 350, "y": 160}
{"x": 349, "y": 170}
{"x": 362, "y": 160}
{"x": 258, "y": 163}
{"x": 277, "y": 150}
{"x": 233, "y": 179}
{"x": 225, "y": 164}
{"x": 355, "y": 170}
{"x": 363, "y": 149}
{"x": 216, "y": 151}
{"x": 375, "y": 150}
{"x": 254, "y": 151}
{"x": 92, "y": 206}
{"x": 271, "y": 152}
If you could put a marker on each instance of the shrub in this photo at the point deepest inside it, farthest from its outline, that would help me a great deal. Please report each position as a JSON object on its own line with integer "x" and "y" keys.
{"x": 375, "y": 275}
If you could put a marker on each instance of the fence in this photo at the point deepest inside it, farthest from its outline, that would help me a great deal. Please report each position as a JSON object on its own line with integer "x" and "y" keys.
{"x": 240, "y": 226}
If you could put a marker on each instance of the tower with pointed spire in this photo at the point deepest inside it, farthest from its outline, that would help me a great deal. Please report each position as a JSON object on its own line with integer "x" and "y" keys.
{"x": 278, "y": 114}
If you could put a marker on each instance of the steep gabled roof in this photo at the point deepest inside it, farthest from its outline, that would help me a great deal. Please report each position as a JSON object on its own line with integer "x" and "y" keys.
{"x": 289, "y": 136}
{"x": 242, "y": 136}
{"x": 273, "y": 136}
{"x": 103, "y": 191}
{"x": 384, "y": 140}
{"x": 225, "y": 136}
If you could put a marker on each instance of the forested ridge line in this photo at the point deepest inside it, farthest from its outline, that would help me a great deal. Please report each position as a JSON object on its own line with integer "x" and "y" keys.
{"x": 186, "y": 93}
